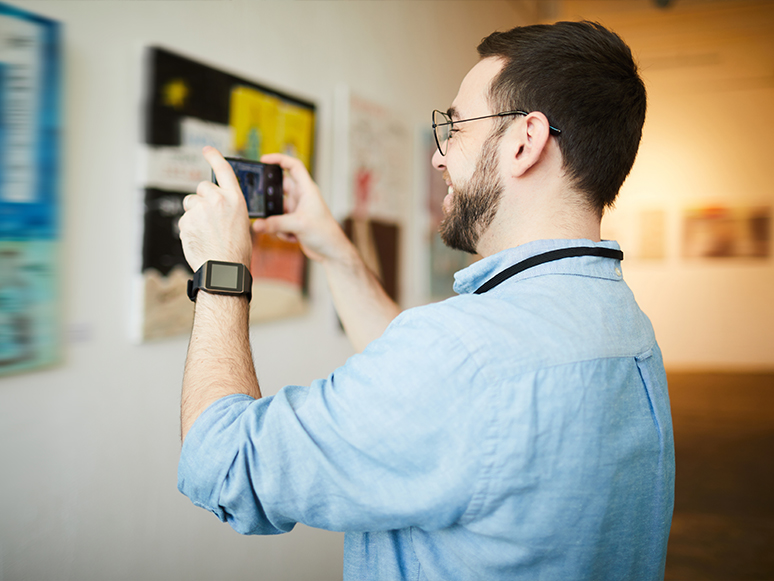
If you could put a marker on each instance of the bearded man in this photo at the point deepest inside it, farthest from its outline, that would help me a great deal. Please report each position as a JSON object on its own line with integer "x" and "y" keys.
{"x": 520, "y": 430}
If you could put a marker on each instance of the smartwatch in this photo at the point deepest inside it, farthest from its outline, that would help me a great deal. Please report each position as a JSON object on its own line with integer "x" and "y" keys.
{"x": 221, "y": 278}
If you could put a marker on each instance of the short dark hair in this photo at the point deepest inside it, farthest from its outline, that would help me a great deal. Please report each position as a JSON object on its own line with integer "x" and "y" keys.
{"x": 583, "y": 78}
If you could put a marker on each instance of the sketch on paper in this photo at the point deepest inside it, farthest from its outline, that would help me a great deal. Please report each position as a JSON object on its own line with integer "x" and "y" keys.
{"x": 376, "y": 176}
{"x": 188, "y": 105}
{"x": 725, "y": 232}
{"x": 30, "y": 71}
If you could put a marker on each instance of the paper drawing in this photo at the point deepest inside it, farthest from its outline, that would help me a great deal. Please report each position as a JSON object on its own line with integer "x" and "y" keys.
{"x": 376, "y": 175}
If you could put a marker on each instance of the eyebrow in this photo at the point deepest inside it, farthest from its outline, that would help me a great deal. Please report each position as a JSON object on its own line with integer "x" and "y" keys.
{"x": 452, "y": 113}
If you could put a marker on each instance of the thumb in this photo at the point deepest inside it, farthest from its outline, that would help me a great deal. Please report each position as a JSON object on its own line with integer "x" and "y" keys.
{"x": 279, "y": 224}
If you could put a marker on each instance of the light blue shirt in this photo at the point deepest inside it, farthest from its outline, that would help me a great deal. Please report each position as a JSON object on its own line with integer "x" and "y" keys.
{"x": 524, "y": 433}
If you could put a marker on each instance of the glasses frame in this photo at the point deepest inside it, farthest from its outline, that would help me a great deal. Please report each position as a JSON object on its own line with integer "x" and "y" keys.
{"x": 553, "y": 129}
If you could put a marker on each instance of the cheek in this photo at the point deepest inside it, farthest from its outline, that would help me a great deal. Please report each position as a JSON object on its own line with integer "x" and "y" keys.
{"x": 466, "y": 156}
{"x": 460, "y": 169}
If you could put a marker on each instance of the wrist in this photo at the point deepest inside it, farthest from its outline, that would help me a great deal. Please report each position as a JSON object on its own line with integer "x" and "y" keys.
{"x": 341, "y": 250}
{"x": 221, "y": 316}
{"x": 211, "y": 301}
{"x": 346, "y": 257}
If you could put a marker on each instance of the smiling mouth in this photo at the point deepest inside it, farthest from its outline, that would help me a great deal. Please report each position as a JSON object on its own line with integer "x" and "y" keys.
{"x": 447, "y": 200}
{"x": 449, "y": 185}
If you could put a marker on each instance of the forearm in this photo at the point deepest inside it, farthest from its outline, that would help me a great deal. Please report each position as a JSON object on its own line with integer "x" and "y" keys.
{"x": 362, "y": 304}
{"x": 219, "y": 361}
{"x": 364, "y": 307}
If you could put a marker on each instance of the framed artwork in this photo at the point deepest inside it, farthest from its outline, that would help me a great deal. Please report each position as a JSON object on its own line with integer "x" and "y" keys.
{"x": 726, "y": 232}
{"x": 30, "y": 95}
{"x": 374, "y": 181}
{"x": 187, "y": 105}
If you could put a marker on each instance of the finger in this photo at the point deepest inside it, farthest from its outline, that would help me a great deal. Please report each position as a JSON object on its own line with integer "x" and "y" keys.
{"x": 294, "y": 166}
{"x": 207, "y": 189}
{"x": 224, "y": 173}
{"x": 189, "y": 201}
{"x": 283, "y": 223}
{"x": 258, "y": 225}
{"x": 285, "y": 161}
{"x": 290, "y": 202}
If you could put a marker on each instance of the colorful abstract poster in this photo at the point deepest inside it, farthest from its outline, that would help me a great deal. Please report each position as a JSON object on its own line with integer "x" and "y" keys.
{"x": 30, "y": 70}
{"x": 188, "y": 105}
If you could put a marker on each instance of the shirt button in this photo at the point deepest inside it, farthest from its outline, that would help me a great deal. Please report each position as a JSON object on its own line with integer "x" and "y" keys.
{"x": 618, "y": 271}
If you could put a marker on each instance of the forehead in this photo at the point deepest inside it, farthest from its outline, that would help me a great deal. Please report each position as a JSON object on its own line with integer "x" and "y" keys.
{"x": 472, "y": 98}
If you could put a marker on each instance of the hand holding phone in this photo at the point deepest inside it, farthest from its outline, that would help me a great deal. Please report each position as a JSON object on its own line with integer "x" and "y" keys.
{"x": 261, "y": 185}
{"x": 215, "y": 224}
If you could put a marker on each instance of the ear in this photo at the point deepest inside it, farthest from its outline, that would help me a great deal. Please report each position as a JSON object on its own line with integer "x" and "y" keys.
{"x": 527, "y": 141}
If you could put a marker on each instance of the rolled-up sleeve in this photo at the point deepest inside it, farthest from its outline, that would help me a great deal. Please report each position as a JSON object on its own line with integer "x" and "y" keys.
{"x": 368, "y": 448}
{"x": 206, "y": 462}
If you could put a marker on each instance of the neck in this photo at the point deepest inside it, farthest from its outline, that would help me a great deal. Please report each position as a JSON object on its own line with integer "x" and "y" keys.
{"x": 552, "y": 217}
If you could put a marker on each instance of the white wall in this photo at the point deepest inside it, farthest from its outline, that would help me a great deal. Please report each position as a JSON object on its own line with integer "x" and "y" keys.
{"x": 89, "y": 449}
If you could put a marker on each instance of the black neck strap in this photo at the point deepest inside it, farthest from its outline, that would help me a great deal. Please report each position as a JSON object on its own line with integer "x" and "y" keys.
{"x": 547, "y": 257}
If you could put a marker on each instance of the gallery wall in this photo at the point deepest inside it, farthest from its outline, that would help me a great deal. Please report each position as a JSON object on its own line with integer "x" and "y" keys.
{"x": 707, "y": 65}
{"x": 89, "y": 448}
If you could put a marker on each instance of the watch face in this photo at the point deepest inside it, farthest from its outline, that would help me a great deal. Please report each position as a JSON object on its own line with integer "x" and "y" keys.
{"x": 224, "y": 276}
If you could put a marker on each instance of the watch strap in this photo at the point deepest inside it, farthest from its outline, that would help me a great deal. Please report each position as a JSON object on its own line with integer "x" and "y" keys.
{"x": 193, "y": 283}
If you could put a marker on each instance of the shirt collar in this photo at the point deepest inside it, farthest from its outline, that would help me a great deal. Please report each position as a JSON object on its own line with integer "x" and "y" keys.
{"x": 469, "y": 279}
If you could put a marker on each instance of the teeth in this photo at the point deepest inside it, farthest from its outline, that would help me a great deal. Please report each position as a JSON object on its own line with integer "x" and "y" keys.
{"x": 451, "y": 190}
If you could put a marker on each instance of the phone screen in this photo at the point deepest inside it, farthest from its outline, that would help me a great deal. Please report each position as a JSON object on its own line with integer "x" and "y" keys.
{"x": 261, "y": 186}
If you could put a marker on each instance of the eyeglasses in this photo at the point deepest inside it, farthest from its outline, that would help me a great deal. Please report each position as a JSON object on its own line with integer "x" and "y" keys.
{"x": 443, "y": 126}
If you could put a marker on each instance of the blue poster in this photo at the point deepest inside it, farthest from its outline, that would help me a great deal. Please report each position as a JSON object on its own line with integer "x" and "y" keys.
{"x": 30, "y": 81}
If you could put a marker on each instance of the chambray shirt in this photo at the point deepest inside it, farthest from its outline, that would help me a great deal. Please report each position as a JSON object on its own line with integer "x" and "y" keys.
{"x": 524, "y": 433}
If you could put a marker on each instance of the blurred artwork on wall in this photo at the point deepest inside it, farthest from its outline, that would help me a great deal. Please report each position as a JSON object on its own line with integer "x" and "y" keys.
{"x": 375, "y": 180}
{"x": 30, "y": 55}
{"x": 187, "y": 105}
{"x": 641, "y": 232}
{"x": 727, "y": 232}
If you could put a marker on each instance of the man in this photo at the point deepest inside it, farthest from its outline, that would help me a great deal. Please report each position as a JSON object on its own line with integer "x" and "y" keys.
{"x": 520, "y": 430}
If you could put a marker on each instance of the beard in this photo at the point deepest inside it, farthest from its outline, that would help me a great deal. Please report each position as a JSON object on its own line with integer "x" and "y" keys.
{"x": 473, "y": 205}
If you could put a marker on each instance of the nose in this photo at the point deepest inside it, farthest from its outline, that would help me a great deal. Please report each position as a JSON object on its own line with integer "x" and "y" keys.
{"x": 438, "y": 161}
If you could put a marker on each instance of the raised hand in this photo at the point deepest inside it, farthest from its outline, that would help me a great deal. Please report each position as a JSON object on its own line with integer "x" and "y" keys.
{"x": 215, "y": 225}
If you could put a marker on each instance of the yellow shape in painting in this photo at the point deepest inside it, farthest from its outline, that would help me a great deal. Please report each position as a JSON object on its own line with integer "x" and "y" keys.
{"x": 254, "y": 117}
{"x": 175, "y": 93}
{"x": 297, "y": 133}
{"x": 265, "y": 124}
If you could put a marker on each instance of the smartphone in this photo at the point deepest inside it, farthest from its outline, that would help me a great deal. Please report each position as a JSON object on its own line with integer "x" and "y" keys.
{"x": 261, "y": 185}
